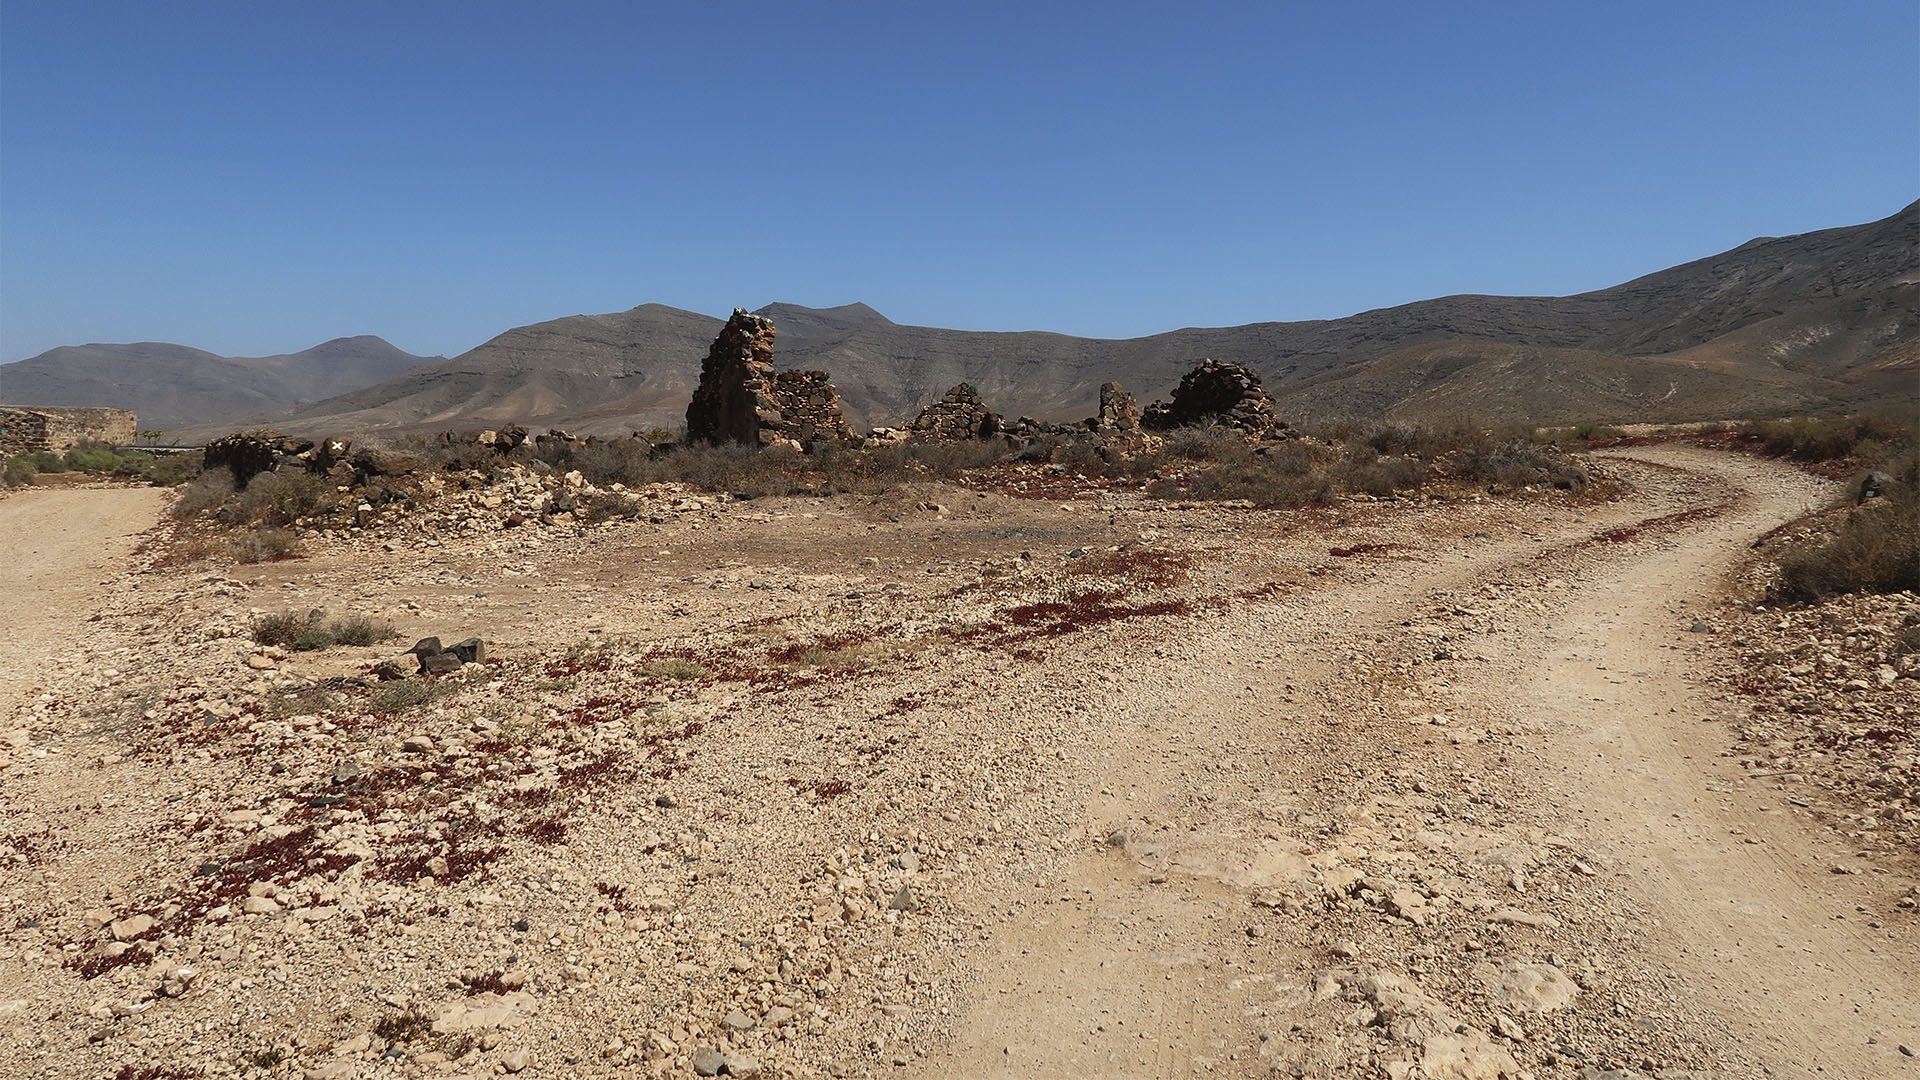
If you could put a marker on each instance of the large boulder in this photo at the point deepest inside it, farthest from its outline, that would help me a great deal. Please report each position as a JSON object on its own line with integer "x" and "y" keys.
{"x": 741, "y": 399}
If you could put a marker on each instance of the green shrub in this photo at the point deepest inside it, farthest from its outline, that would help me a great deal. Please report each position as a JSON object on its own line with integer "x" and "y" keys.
{"x": 278, "y": 499}
{"x": 282, "y": 629}
{"x": 360, "y": 631}
{"x": 18, "y": 471}
{"x": 92, "y": 459}
{"x": 173, "y": 470}
{"x": 402, "y": 694}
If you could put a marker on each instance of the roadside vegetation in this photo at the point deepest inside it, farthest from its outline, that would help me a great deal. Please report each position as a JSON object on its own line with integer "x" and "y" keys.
{"x": 313, "y": 631}
{"x": 1870, "y": 541}
{"x": 162, "y": 470}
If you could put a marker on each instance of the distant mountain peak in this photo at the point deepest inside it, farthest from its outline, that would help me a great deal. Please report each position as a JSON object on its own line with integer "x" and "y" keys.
{"x": 846, "y": 316}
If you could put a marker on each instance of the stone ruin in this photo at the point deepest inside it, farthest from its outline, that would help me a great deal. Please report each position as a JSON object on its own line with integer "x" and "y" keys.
{"x": 26, "y": 429}
{"x": 741, "y": 399}
{"x": 1117, "y": 428}
{"x": 249, "y": 453}
{"x": 1226, "y": 394}
{"x": 961, "y": 416}
{"x": 958, "y": 416}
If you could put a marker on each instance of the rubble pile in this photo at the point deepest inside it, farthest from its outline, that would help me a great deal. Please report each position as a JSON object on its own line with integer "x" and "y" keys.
{"x": 958, "y": 416}
{"x": 1218, "y": 393}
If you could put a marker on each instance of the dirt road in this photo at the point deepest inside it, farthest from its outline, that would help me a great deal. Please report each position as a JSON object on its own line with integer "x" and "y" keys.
{"x": 1415, "y": 790}
{"x": 1584, "y": 664}
{"x": 62, "y": 546}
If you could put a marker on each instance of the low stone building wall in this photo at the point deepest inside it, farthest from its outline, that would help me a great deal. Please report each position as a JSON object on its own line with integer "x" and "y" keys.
{"x": 23, "y": 430}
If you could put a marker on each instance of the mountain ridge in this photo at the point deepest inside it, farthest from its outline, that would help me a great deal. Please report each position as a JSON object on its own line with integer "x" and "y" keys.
{"x": 1822, "y": 319}
{"x": 174, "y": 386}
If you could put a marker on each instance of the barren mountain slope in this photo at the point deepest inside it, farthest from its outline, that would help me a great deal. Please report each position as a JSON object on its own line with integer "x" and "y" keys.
{"x": 1822, "y": 304}
{"x": 173, "y": 387}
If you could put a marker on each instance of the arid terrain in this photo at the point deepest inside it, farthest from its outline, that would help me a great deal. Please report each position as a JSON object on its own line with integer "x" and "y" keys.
{"x": 1062, "y": 781}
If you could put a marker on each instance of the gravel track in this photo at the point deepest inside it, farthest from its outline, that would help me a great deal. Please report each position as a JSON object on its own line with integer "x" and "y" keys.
{"x": 1404, "y": 790}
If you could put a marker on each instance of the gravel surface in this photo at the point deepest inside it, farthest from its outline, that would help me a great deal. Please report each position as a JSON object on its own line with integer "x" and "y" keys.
{"x": 951, "y": 782}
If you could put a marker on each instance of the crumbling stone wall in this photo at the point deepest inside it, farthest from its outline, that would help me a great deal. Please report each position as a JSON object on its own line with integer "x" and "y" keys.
{"x": 23, "y": 430}
{"x": 741, "y": 399}
{"x": 250, "y": 453}
{"x": 958, "y": 416}
{"x": 1222, "y": 393}
{"x": 1117, "y": 428}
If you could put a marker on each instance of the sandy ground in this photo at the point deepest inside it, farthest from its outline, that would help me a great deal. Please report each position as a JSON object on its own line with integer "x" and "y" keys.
{"x": 1400, "y": 790}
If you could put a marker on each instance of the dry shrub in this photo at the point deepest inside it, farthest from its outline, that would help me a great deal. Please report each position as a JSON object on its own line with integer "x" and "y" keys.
{"x": 1208, "y": 442}
{"x": 263, "y": 545}
{"x": 1519, "y": 463}
{"x": 1875, "y": 549}
{"x": 205, "y": 492}
{"x": 275, "y": 499}
{"x": 1832, "y": 438}
{"x": 308, "y": 634}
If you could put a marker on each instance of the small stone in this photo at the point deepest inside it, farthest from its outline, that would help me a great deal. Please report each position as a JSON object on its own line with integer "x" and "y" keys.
{"x": 1346, "y": 950}
{"x": 417, "y": 744}
{"x": 708, "y": 1062}
{"x": 1700, "y": 628}
{"x": 261, "y": 662}
{"x": 738, "y": 1064}
{"x": 132, "y": 927}
{"x": 737, "y": 1021}
{"x": 776, "y": 1016}
{"x": 514, "y": 1061}
{"x": 1908, "y": 1050}
{"x": 259, "y": 905}
{"x": 904, "y": 900}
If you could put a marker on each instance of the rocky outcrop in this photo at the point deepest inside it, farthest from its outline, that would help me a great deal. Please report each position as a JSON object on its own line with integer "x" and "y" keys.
{"x": 741, "y": 399}
{"x": 1218, "y": 393}
{"x": 957, "y": 417}
{"x": 24, "y": 430}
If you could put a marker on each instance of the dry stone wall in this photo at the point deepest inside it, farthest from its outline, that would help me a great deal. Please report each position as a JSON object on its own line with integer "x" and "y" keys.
{"x": 23, "y": 430}
{"x": 958, "y": 416}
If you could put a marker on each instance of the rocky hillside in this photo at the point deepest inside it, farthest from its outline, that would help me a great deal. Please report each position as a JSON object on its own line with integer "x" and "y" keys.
{"x": 1823, "y": 319}
{"x": 174, "y": 386}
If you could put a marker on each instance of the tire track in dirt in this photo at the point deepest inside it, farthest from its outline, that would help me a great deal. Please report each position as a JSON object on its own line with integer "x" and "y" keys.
{"x": 1754, "y": 921}
{"x": 1143, "y": 966}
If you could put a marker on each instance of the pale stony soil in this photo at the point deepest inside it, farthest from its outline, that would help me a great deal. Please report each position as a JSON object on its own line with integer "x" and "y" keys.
{"x": 962, "y": 784}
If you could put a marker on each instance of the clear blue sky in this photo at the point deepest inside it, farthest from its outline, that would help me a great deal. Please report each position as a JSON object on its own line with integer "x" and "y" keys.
{"x": 258, "y": 177}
